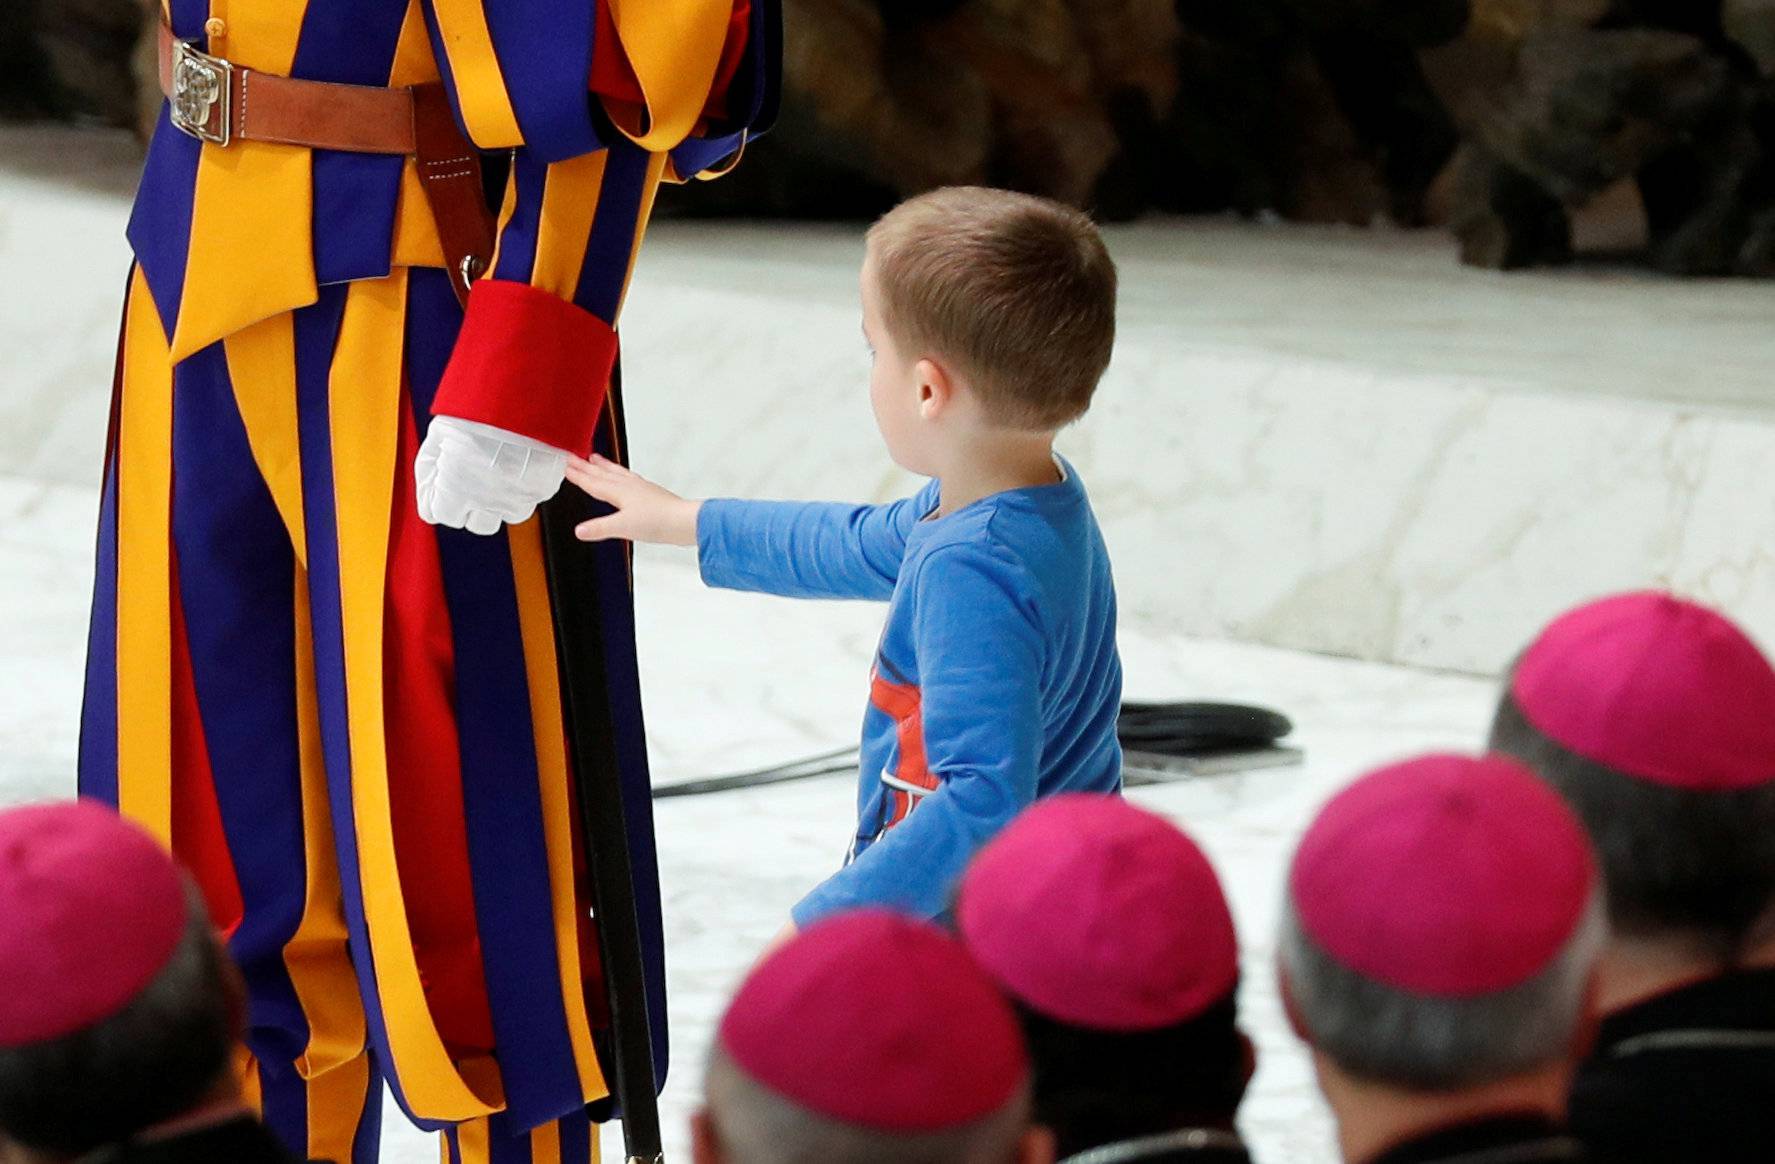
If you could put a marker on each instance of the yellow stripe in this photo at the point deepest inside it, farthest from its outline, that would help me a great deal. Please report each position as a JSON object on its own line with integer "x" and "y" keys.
{"x": 246, "y": 1070}
{"x": 336, "y": 1103}
{"x": 476, "y": 1142}
{"x": 413, "y": 60}
{"x": 675, "y": 50}
{"x": 317, "y": 957}
{"x": 480, "y": 85}
{"x": 262, "y": 365}
{"x": 259, "y": 36}
{"x": 545, "y": 1144}
{"x": 144, "y": 570}
{"x": 245, "y": 261}
{"x": 656, "y": 168}
{"x": 569, "y": 207}
{"x": 535, "y": 622}
{"x": 416, "y": 242}
{"x": 597, "y": 1147}
{"x": 365, "y": 399}
{"x": 251, "y": 256}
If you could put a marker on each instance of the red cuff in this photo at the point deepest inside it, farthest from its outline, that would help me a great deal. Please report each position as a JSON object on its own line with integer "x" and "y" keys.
{"x": 529, "y": 363}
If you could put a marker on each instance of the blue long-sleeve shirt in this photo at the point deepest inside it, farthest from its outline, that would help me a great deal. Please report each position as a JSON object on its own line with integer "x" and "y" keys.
{"x": 997, "y": 679}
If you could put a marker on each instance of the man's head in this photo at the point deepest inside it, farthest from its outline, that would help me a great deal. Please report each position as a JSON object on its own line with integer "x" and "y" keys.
{"x": 1655, "y": 719}
{"x": 119, "y": 1010}
{"x": 1441, "y": 928}
{"x": 868, "y": 1039}
{"x": 985, "y": 310}
{"x": 1107, "y": 927}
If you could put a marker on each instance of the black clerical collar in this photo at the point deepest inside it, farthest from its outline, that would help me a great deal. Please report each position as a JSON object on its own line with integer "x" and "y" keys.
{"x": 1735, "y": 1010}
{"x": 1163, "y": 1144}
{"x": 1511, "y": 1139}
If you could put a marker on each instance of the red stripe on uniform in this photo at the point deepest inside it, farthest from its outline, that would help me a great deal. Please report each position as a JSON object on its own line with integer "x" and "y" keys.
{"x": 424, "y": 772}
{"x": 197, "y": 834}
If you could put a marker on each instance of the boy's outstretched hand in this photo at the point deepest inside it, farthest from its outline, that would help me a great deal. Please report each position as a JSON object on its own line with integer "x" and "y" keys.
{"x": 644, "y": 511}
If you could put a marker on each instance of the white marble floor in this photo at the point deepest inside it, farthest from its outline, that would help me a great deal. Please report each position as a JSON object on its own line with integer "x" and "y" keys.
{"x": 734, "y": 681}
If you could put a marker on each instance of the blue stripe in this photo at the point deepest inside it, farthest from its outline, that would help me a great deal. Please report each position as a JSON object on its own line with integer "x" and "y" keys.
{"x": 433, "y": 319}
{"x": 351, "y": 43}
{"x": 576, "y": 1139}
{"x": 613, "y": 232}
{"x": 366, "y": 1146}
{"x": 97, "y": 765}
{"x": 317, "y": 330}
{"x": 283, "y": 1099}
{"x": 507, "y": 1146}
{"x": 188, "y": 17}
{"x": 236, "y": 580}
{"x": 545, "y": 53}
{"x": 159, "y": 228}
{"x": 517, "y": 242}
{"x": 700, "y": 153}
{"x": 502, "y": 801}
{"x": 355, "y": 196}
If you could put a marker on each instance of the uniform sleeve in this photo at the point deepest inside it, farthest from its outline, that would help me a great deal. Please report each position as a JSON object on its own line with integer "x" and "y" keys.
{"x": 596, "y": 103}
{"x": 980, "y": 657}
{"x": 808, "y": 549}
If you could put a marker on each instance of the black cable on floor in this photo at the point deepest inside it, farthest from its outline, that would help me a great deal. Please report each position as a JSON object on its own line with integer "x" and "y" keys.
{"x": 1160, "y": 740}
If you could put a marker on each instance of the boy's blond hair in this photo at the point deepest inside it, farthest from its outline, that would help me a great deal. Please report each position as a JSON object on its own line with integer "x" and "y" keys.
{"x": 1016, "y": 292}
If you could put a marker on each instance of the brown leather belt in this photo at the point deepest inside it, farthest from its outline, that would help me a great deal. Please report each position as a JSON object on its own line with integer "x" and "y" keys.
{"x": 217, "y": 101}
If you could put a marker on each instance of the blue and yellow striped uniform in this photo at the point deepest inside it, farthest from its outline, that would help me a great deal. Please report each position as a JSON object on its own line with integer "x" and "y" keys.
{"x": 347, "y": 722}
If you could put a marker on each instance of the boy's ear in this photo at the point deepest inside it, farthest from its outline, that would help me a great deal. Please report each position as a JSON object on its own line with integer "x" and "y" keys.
{"x": 936, "y": 389}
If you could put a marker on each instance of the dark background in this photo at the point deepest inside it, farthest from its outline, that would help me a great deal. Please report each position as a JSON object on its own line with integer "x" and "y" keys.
{"x": 1497, "y": 119}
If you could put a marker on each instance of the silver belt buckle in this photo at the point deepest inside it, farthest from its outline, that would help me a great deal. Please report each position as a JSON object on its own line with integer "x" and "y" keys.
{"x": 202, "y": 94}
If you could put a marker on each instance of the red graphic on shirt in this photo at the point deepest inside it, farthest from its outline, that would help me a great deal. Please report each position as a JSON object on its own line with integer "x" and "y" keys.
{"x": 912, "y": 781}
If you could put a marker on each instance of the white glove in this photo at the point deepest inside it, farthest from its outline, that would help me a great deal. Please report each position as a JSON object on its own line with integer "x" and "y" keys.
{"x": 474, "y": 476}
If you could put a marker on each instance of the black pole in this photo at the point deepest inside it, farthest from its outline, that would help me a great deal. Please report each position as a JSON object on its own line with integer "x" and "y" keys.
{"x": 572, "y": 569}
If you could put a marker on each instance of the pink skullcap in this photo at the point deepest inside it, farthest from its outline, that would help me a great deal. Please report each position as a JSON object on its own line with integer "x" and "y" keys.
{"x": 1654, "y": 687}
{"x": 91, "y": 910}
{"x": 1102, "y": 915}
{"x": 879, "y": 1021}
{"x": 1445, "y": 876}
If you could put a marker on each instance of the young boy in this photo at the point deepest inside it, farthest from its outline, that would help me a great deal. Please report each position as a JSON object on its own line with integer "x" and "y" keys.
{"x": 990, "y": 317}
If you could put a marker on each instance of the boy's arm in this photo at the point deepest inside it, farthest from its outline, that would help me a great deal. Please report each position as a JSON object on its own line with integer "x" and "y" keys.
{"x": 980, "y": 653}
{"x": 807, "y": 549}
{"x": 799, "y": 549}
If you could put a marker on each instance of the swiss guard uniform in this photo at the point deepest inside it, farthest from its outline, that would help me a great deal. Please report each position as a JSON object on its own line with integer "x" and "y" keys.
{"x": 348, "y": 723}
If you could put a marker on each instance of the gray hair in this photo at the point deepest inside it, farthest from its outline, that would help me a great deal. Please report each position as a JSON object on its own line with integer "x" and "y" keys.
{"x": 757, "y": 1126}
{"x": 1387, "y": 1035}
{"x": 154, "y": 1060}
{"x": 1696, "y": 868}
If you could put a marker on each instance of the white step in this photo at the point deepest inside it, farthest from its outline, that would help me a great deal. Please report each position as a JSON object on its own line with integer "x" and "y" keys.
{"x": 1330, "y": 440}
